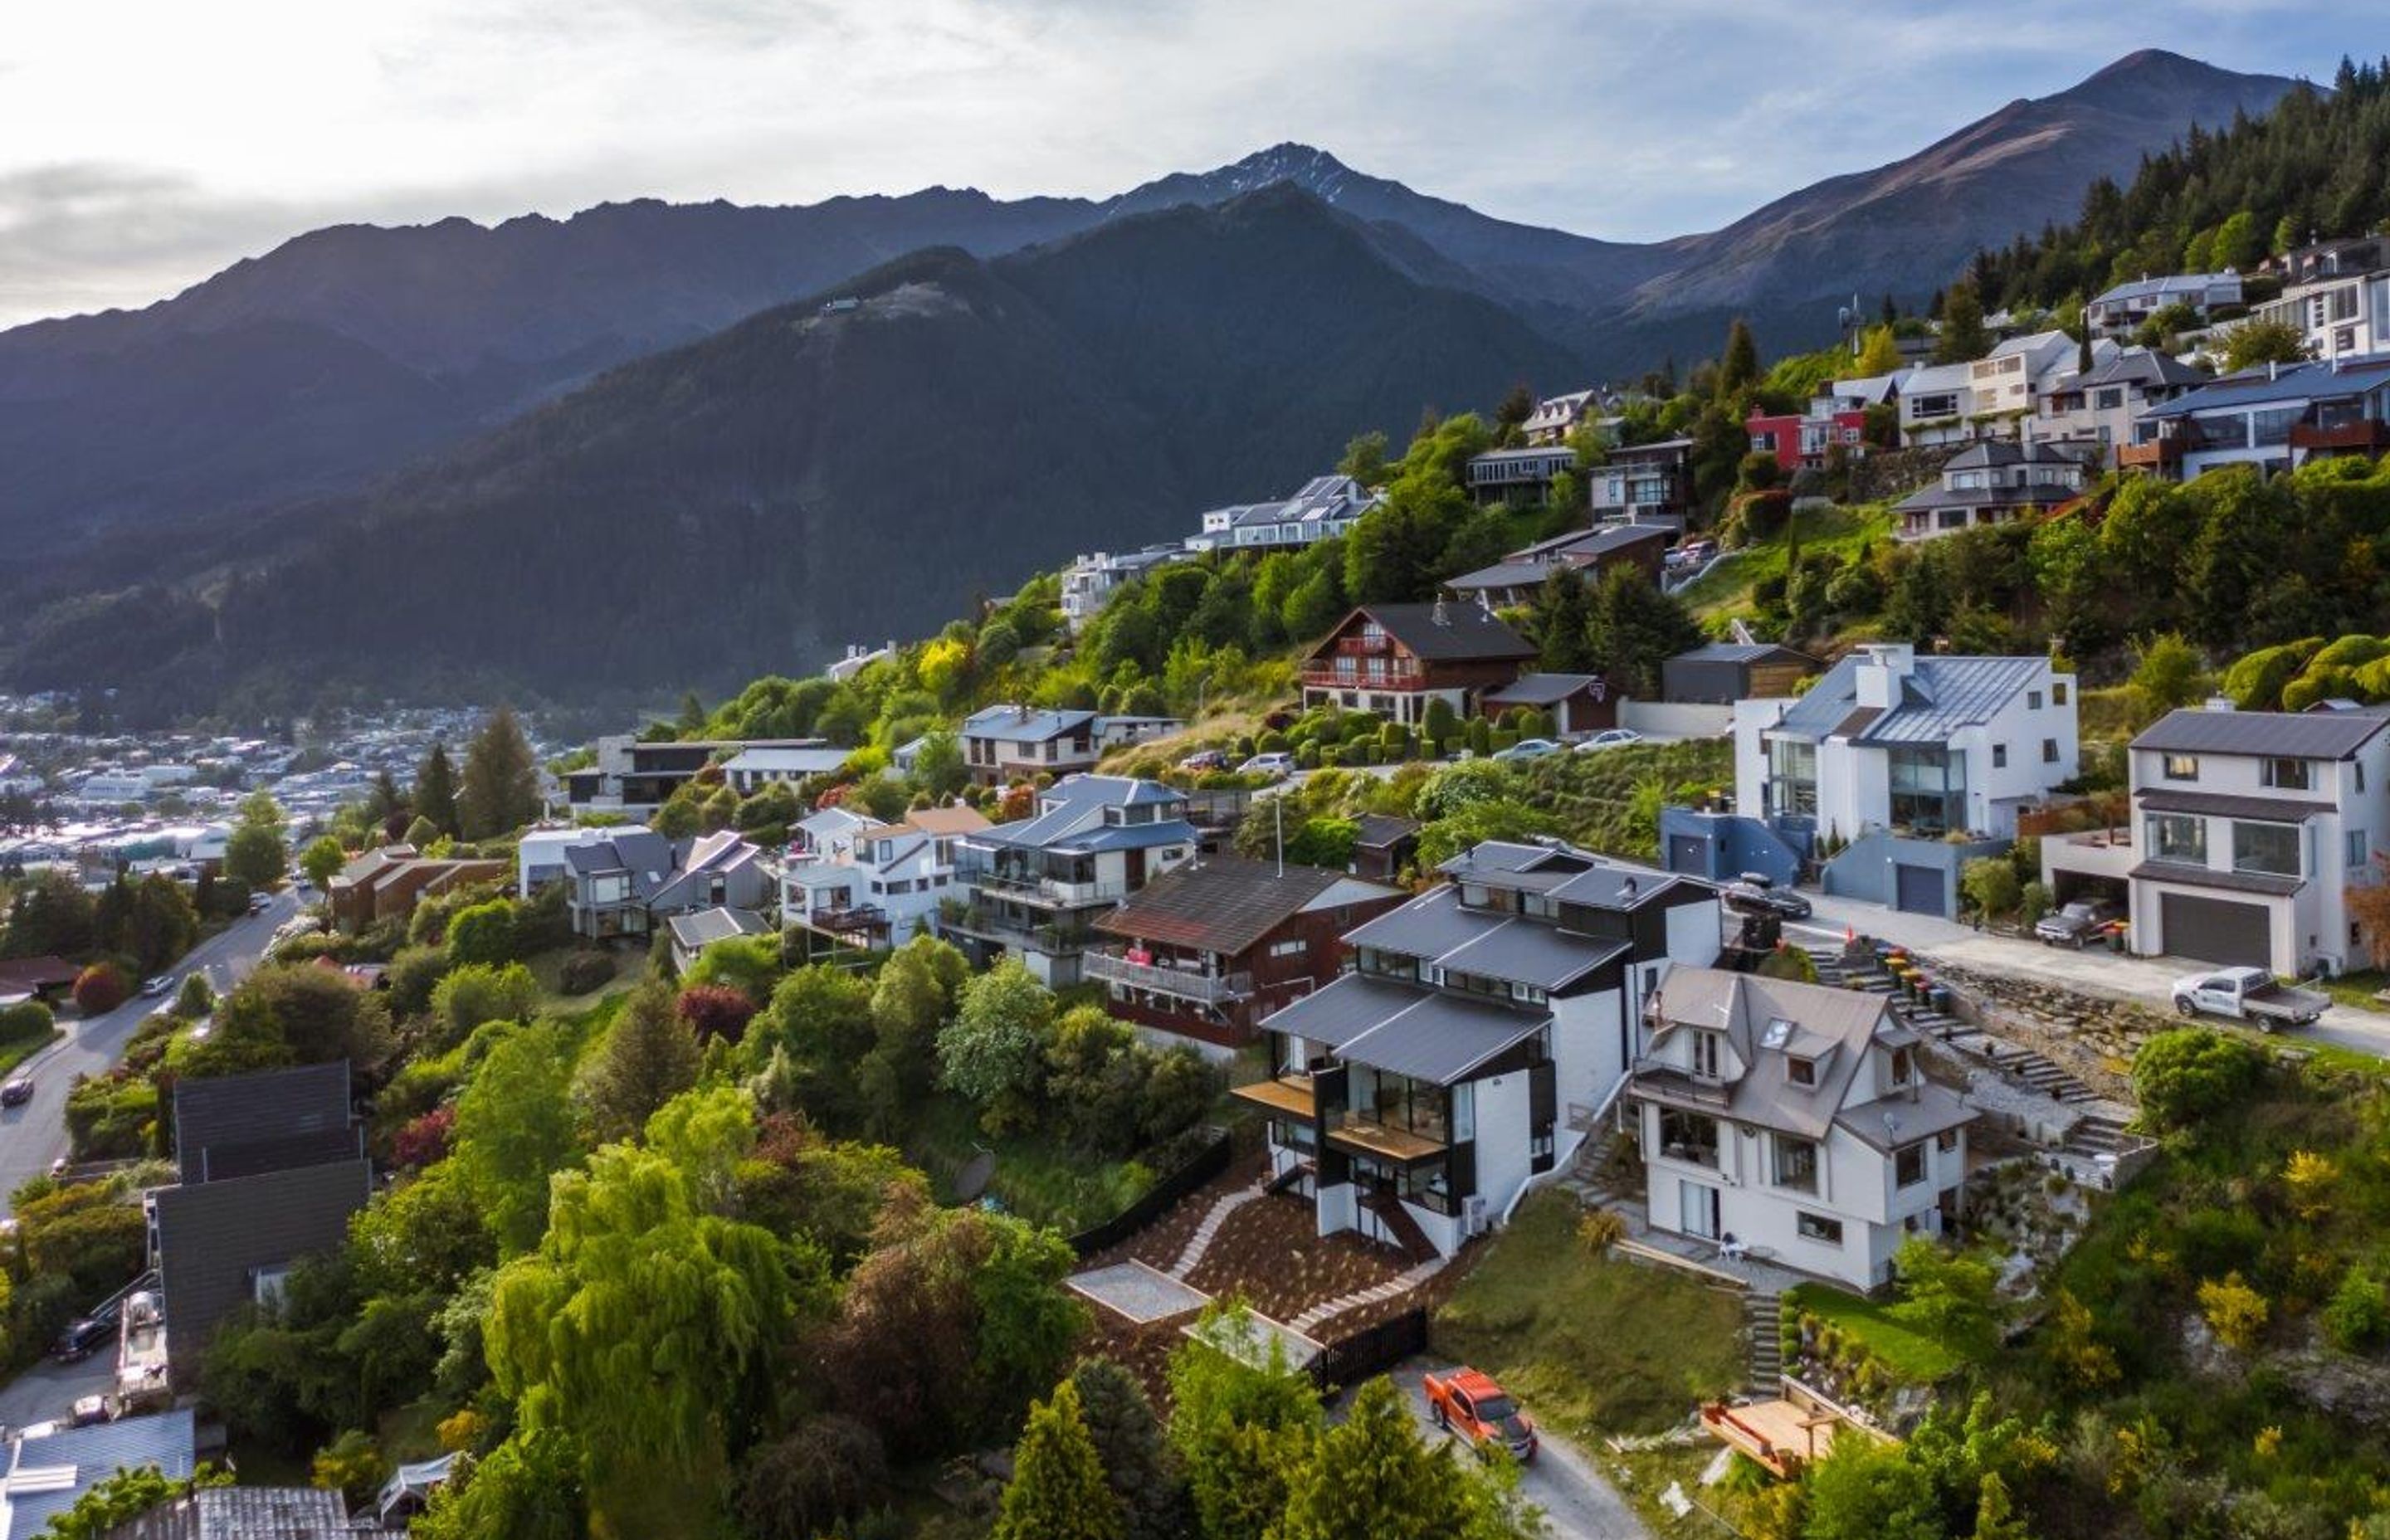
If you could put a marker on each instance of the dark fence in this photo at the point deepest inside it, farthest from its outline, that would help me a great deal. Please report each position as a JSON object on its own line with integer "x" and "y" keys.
{"x": 1372, "y": 1349}
{"x": 1208, "y": 1162}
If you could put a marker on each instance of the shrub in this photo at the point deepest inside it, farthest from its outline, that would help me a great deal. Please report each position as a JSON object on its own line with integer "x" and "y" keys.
{"x": 2357, "y": 1317}
{"x": 101, "y": 988}
{"x": 2182, "y": 1076}
{"x": 2033, "y": 902}
{"x": 583, "y": 971}
{"x": 1990, "y": 884}
{"x": 2235, "y": 1312}
{"x": 715, "y": 1011}
{"x": 27, "y": 1021}
{"x": 196, "y": 998}
{"x": 825, "y": 1472}
{"x": 484, "y": 933}
{"x": 424, "y": 1139}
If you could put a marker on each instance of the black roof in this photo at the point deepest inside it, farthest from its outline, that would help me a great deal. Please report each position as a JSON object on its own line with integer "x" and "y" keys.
{"x": 1227, "y": 904}
{"x": 238, "y": 1125}
{"x": 214, "y": 1238}
{"x": 2272, "y": 735}
{"x": 1447, "y": 633}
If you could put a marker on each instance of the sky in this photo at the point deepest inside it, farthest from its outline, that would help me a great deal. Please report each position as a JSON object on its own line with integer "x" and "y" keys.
{"x": 145, "y": 144}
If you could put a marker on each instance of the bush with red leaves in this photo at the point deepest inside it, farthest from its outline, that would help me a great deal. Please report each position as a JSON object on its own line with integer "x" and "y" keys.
{"x": 101, "y": 988}
{"x": 715, "y": 1010}
{"x": 423, "y": 1140}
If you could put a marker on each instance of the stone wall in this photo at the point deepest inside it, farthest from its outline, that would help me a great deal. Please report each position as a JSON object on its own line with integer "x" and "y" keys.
{"x": 1897, "y": 472}
{"x": 2093, "y": 1039}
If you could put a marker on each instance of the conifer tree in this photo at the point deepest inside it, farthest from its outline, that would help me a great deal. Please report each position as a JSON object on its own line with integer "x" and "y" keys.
{"x": 500, "y": 787}
{"x": 1138, "y": 1466}
{"x": 1058, "y": 1490}
{"x": 435, "y": 791}
{"x": 649, "y": 1058}
{"x": 1739, "y": 368}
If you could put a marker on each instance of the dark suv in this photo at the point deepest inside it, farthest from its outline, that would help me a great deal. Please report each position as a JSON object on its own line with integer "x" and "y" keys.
{"x": 1753, "y": 895}
{"x": 82, "y": 1338}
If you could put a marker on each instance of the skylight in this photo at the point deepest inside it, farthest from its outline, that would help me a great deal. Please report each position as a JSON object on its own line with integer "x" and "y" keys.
{"x": 1779, "y": 1032}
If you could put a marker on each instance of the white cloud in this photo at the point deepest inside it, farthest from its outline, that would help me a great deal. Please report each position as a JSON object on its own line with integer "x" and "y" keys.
{"x": 219, "y": 129}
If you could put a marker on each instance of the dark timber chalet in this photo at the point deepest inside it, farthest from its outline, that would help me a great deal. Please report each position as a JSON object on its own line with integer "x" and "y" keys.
{"x": 1392, "y": 658}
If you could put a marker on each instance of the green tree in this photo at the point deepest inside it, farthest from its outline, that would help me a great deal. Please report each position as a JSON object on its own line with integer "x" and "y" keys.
{"x": 820, "y": 1020}
{"x": 1878, "y": 353}
{"x": 2238, "y": 242}
{"x": 1990, "y": 885}
{"x": 650, "y": 1056}
{"x": 1738, "y": 368}
{"x": 1863, "y": 1490}
{"x": 2167, "y": 674}
{"x": 1058, "y": 1490}
{"x": 322, "y": 860}
{"x": 748, "y": 964}
{"x": 159, "y": 923}
{"x": 499, "y": 790}
{"x": 514, "y": 1127}
{"x": 468, "y": 996}
{"x": 435, "y": 799}
{"x": 1243, "y": 1433}
{"x": 994, "y": 1051}
{"x": 1365, "y": 459}
{"x": 2184, "y": 1076}
{"x": 1372, "y": 1476}
{"x": 351, "y": 1466}
{"x": 1564, "y": 619}
{"x": 1634, "y": 628}
{"x": 1962, "y": 339}
{"x": 531, "y": 1487}
{"x": 2258, "y": 342}
{"x": 125, "y": 1496}
{"x": 1952, "y": 1297}
{"x": 909, "y": 1003}
{"x": 938, "y": 766}
{"x": 255, "y": 853}
{"x": 1138, "y": 1463}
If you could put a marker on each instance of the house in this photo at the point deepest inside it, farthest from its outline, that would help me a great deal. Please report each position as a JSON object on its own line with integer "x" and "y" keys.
{"x": 1383, "y": 845}
{"x": 1990, "y": 482}
{"x": 876, "y": 884}
{"x": 2246, "y": 831}
{"x": 242, "y": 1513}
{"x": 1555, "y": 417}
{"x": 1835, "y": 417}
{"x": 1643, "y": 483}
{"x": 2098, "y": 407}
{"x": 2277, "y": 419}
{"x": 622, "y": 885}
{"x": 1326, "y": 506}
{"x": 51, "y": 1467}
{"x": 1394, "y": 658}
{"x": 386, "y": 883}
{"x": 1517, "y": 477}
{"x": 44, "y": 978}
{"x": 1033, "y": 887}
{"x": 2336, "y": 294}
{"x": 272, "y": 1167}
{"x": 2119, "y": 311}
{"x": 1720, "y": 674}
{"x": 1484, "y": 1028}
{"x": 539, "y": 855}
{"x": 698, "y": 929}
{"x": 1918, "y": 763}
{"x": 1578, "y": 703}
{"x": 855, "y": 659}
{"x": 1514, "y": 579}
{"x": 759, "y": 765}
{"x": 1206, "y": 951}
{"x": 1794, "y": 1120}
{"x": 631, "y": 779}
{"x": 1089, "y": 581}
{"x": 2005, "y": 386}
{"x": 1003, "y": 745}
{"x": 408, "y": 1491}
{"x": 1936, "y": 404}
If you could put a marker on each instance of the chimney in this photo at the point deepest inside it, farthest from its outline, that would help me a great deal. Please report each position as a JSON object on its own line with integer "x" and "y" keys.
{"x": 1882, "y": 667}
{"x": 2273, "y": 369}
{"x": 1438, "y": 615}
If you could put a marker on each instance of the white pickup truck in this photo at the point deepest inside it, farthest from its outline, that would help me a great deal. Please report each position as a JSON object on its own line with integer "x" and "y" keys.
{"x": 2248, "y": 995}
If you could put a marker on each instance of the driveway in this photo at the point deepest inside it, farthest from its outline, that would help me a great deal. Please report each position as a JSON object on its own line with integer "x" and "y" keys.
{"x": 2099, "y": 974}
{"x": 33, "y": 1135}
{"x": 1577, "y": 1502}
{"x": 50, "y": 1389}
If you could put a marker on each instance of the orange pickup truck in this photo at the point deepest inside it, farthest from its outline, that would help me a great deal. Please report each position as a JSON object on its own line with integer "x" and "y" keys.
{"x": 1488, "y": 1419}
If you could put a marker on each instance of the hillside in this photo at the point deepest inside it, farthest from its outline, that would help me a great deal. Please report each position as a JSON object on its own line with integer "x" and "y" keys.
{"x": 746, "y": 503}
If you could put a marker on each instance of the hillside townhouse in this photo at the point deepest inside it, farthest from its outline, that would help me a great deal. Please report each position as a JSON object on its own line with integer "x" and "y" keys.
{"x": 2336, "y": 295}
{"x": 1515, "y": 477}
{"x": 1484, "y": 1029}
{"x": 1033, "y": 887}
{"x": 1643, "y": 483}
{"x": 1989, "y": 483}
{"x": 1515, "y": 578}
{"x": 1894, "y": 769}
{"x": 1006, "y": 744}
{"x": 1394, "y": 658}
{"x": 630, "y": 881}
{"x": 1835, "y": 417}
{"x": 631, "y": 779}
{"x": 1793, "y": 1122}
{"x": 2119, "y": 311}
{"x": 1934, "y": 405}
{"x": 1326, "y": 506}
{"x": 2093, "y": 410}
{"x": 1555, "y": 417}
{"x": 2277, "y": 419}
{"x": 2246, "y": 830}
{"x": 2005, "y": 386}
{"x": 877, "y": 884}
{"x": 1202, "y": 954}
{"x": 759, "y": 765}
{"x": 1089, "y": 581}
{"x": 387, "y": 883}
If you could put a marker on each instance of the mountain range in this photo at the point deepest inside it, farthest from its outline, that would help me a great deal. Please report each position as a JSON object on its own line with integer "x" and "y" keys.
{"x": 429, "y": 410}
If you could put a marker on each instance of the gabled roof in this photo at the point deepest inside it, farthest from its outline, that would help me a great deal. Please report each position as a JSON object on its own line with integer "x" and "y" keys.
{"x": 2296, "y": 383}
{"x": 1991, "y": 453}
{"x": 243, "y": 1513}
{"x": 1407, "y": 1029}
{"x": 1225, "y": 903}
{"x": 1441, "y": 633}
{"x": 822, "y": 760}
{"x": 2142, "y": 367}
{"x": 1563, "y": 871}
{"x": 1069, "y": 810}
{"x": 1026, "y": 724}
{"x": 234, "y": 1125}
{"x": 1382, "y": 830}
{"x": 1941, "y": 696}
{"x": 1589, "y": 546}
{"x": 1436, "y": 928}
{"x": 702, "y": 927}
{"x": 2262, "y": 735}
{"x": 1545, "y": 689}
{"x": 1871, "y": 389}
{"x": 1832, "y": 1027}
{"x": 1744, "y": 652}
{"x": 2171, "y": 286}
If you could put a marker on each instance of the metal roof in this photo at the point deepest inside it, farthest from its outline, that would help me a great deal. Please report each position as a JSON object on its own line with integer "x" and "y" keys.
{"x": 702, "y": 928}
{"x": 1335, "y": 1016}
{"x": 1543, "y": 690}
{"x": 1939, "y": 695}
{"x": 1450, "y": 633}
{"x": 302, "y": 1109}
{"x": 1504, "y": 575}
{"x": 89, "y": 1456}
{"x": 1441, "y": 1038}
{"x": 2267, "y": 735}
{"x": 1225, "y": 904}
{"x": 1532, "y": 953}
{"x": 2208, "y": 877}
{"x": 2190, "y": 284}
{"x": 1834, "y": 1027}
{"x": 2346, "y": 377}
{"x": 1742, "y": 652}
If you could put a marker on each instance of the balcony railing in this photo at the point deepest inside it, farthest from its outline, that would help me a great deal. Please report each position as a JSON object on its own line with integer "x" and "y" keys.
{"x": 1662, "y": 1078}
{"x": 1044, "y": 890}
{"x": 2361, "y": 436}
{"x": 991, "y": 925}
{"x": 1330, "y": 678}
{"x": 1369, "y": 1137}
{"x": 1209, "y": 989}
{"x": 840, "y": 921}
{"x": 2157, "y": 455}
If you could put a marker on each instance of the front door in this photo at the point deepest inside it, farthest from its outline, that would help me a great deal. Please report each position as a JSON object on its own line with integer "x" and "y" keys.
{"x": 1701, "y": 1208}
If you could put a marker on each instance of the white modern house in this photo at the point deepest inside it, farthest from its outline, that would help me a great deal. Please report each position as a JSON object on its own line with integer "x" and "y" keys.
{"x": 2247, "y": 830}
{"x": 1794, "y": 1121}
{"x": 2118, "y": 311}
{"x": 2005, "y": 386}
{"x": 2099, "y": 406}
{"x": 1934, "y": 405}
{"x": 751, "y": 770}
{"x": 876, "y": 884}
{"x": 1483, "y": 1031}
{"x": 1090, "y": 581}
{"x": 1004, "y": 744}
{"x": 1326, "y": 506}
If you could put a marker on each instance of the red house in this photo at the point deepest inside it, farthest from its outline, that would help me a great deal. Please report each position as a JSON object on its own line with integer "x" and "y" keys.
{"x": 1394, "y": 659}
{"x": 1802, "y": 440}
{"x": 1208, "y": 950}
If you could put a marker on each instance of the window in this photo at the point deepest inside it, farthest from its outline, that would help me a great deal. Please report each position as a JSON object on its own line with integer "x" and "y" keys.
{"x": 2057, "y": 693}
{"x": 1705, "y": 1056}
{"x": 1908, "y": 1165}
{"x": 2049, "y": 751}
{"x": 1801, "y": 1071}
{"x": 1294, "y": 948}
{"x": 2289, "y": 775}
{"x": 1791, "y": 777}
{"x": 2270, "y": 848}
{"x": 2000, "y": 756}
{"x": 1817, "y": 1226}
{"x": 2032, "y": 701}
{"x": 2177, "y": 837}
{"x": 2357, "y": 854}
{"x": 1688, "y": 1136}
{"x": 1928, "y": 788}
{"x": 2182, "y": 768}
{"x": 1796, "y": 1163}
{"x": 1902, "y": 1066}
{"x": 1946, "y": 1141}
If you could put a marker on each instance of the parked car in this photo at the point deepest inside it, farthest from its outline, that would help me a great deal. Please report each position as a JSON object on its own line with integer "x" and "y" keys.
{"x": 162, "y": 984}
{"x": 260, "y": 903}
{"x": 2075, "y": 925}
{"x": 2248, "y": 995}
{"x": 89, "y": 1411}
{"x": 1205, "y": 759}
{"x": 1528, "y": 748}
{"x": 1700, "y": 550}
{"x": 83, "y": 1336}
{"x": 1277, "y": 766}
{"x": 1753, "y": 895}
{"x": 17, "y": 1092}
{"x": 1610, "y": 737}
{"x": 1470, "y": 1403}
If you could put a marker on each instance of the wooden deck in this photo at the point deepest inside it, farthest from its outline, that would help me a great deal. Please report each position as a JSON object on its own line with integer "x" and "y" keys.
{"x": 1289, "y": 1096}
{"x": 1786, "y": 1433}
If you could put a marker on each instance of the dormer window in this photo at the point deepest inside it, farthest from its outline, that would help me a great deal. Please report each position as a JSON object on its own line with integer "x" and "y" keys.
{"x": 1902, "y": 1066}
{"x": 1800, "y": 1071}
{"x": 1706, "y": 1056}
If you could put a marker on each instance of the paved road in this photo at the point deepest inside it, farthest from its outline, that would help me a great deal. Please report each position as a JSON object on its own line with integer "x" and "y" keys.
{"x": 50, "y": 1389}
{"x": 1577, "y": 1502}
{"x": 31, "y": 1137}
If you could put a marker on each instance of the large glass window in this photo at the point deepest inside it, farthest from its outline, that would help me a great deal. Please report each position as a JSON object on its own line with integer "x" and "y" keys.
{"x": 1796, "y": 1163}
{"x": 1929, "y": 790}
{"x": 1791, "y": 776}
{"x": 1908, "y": 1165}
{"x": 1688, "y": 1136}
{"x": 2271, "y": 848}
{"x": 2290, "y": 774}
{"x": 2177, "y": 837}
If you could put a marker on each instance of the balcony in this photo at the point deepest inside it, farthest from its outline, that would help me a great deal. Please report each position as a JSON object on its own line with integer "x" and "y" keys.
{"x": 1218, "y": 990}
{"x": 2160, "y": 456}
{"x": 1286, "y": 1097}
{"x": 982, "y": 923}
{"x": 1045, "y": 890}
{"x": 2357, "y": 437}
{"x": 1368, "y": 1136}
{"x": 1363, "y": 647}
{"x": 1328, "y": 677}
{"x": 1657, "y": 1077}
{"x": 846, "y": 920}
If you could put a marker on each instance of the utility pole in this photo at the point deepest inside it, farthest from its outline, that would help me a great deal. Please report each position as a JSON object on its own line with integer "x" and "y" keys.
{"x": 1277, "y": 826}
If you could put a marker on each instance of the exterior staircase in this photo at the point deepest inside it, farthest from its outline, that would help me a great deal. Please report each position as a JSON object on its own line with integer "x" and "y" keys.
{"x": 1763, "y": 1327}
{"x": 1412, "y": 1241}
{"x": 2098, "y": 1133}
{"x": 2020, "y": 1067}
{"x": 1201, "y": 1241}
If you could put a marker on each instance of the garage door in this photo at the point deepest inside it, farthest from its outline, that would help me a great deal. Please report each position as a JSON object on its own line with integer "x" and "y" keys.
{"x": 1689, "y": 854}
{"x": 2214, "y": 930}
{"x": 1920, "y": 890}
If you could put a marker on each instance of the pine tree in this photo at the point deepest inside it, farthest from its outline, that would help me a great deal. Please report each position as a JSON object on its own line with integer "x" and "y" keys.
{"x": 649, "y": 1058}
{"x": 1562, "y": 612}
{"x": 1739, "y": 369}
{"x": 1963, "y": 337}
{"x": 1138, "y": 1466}
{"x": 1372, "y": 1476}
{"x": 1058, "y": 1490}
{"x": 499, "y": 790}
{"x": 1996, "y": 1515}
{"x": 435, "y": 791}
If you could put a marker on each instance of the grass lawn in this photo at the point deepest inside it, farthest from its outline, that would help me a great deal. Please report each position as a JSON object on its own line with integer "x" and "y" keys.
{"x": 1591, "y": 1344}
{"x": 18, "y": 1050}
{"x": 2358, "y": 989}
{"x": 1040, "y": 1182}
{"x": 1910, "y": 1355}
{"x": 1843, "y": 531}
